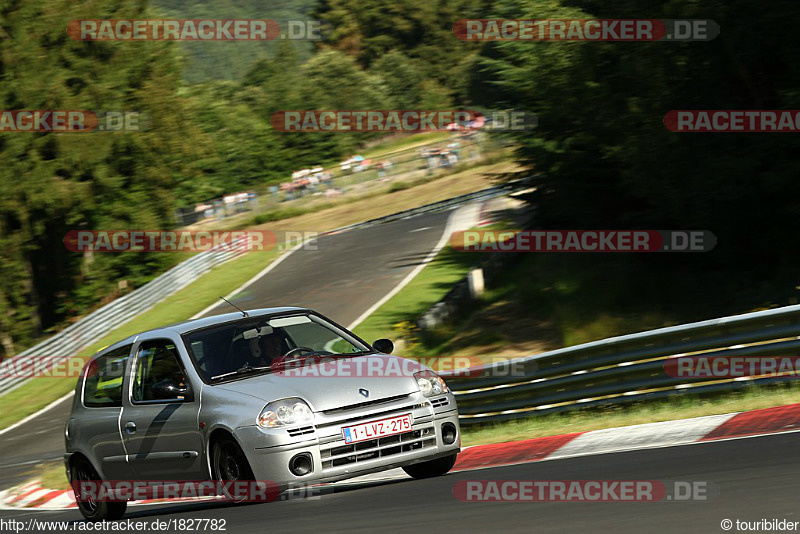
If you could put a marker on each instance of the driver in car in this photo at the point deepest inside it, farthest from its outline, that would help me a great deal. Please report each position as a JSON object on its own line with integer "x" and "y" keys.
{"x": 265, "y": 349}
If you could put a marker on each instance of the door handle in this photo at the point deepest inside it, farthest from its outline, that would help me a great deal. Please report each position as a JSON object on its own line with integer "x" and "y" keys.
{"x": 130, "y": 427}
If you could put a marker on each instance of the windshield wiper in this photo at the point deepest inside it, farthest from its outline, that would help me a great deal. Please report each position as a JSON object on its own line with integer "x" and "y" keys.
{"x": 246, "y": 368}
{"x": 359, "y": 353}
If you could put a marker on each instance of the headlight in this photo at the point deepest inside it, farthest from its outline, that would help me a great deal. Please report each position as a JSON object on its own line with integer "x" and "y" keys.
{"x": 430, "y": 383}
{"x": 285, "y": 412}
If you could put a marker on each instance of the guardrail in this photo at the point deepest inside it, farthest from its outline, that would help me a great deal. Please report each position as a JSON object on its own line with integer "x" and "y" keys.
{"x": 623, "y": 369}
{"x": 90, "y": 329}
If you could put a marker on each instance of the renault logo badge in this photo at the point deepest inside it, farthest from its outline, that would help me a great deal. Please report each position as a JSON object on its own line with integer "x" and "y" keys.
{"x": 364, "y": 392}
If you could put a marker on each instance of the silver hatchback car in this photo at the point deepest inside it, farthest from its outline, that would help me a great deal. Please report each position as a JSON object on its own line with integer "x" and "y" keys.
{"x": 280, "y": 394}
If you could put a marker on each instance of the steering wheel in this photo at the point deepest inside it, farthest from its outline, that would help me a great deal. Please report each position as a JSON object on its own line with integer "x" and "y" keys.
{"x": 298, "y": 350}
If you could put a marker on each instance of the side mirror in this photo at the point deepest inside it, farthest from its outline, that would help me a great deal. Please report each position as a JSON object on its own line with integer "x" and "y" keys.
{"x": 383, "y": 345}
{"x": 169, "y": 389}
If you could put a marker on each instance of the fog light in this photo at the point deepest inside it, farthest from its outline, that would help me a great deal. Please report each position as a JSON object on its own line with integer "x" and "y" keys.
{"x": 448, "y": 433}
{"x": 301, "y": 464}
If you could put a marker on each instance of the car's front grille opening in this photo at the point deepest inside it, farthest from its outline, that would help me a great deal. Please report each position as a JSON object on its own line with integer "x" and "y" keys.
{"x": 360, "y": 405}
{"x": 438, "y": 403}
{"x": 378, "y": 448}
{"x": 372, "y": 416}
{"x": 301, "y": 431}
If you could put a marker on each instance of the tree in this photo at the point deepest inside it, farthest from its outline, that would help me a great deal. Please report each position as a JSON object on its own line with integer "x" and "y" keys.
{"x": 51, "y": 183}
{"x": 402, "y": 79}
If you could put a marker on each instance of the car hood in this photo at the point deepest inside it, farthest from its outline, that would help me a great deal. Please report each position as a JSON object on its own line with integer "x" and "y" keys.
{"x": 334, "y": 383}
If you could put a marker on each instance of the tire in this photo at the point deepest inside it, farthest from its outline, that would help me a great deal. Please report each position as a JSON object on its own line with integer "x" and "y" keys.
{"x": 230, "y": 464}
{"x": 82, "y": 471}
{"x": 432, "y": 468}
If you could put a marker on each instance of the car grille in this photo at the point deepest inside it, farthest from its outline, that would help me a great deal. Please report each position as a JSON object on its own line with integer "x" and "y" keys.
{"x": 361, "y": 405}
{"x": 301, "y": 431}
{"x": 438, "y": 403}
{"x": 378, "y": 448}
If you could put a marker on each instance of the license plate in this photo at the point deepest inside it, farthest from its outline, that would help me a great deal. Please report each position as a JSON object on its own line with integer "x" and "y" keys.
{"x": 377, "y": 429}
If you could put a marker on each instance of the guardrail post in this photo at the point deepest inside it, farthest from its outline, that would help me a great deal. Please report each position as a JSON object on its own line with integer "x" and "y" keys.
{"x": 475, "y": 283}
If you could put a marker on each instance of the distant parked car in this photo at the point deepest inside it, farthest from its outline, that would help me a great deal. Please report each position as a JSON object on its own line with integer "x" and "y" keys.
{"x": 216, "y": 399}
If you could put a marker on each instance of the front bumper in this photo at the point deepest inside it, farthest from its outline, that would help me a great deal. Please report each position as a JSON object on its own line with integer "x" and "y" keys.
{"x": 333, "y": 459}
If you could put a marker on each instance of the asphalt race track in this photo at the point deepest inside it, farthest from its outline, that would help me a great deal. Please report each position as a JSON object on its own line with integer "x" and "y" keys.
{"x": 756, "y": 479}
{"x": 342, "y": 278}
{"x": 348, "y": 272}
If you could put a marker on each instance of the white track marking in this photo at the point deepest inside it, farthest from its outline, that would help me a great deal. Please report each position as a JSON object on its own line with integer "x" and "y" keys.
{"x": 460, "y": 219}
{"x": 37, "y": 414}
{"x": 645, "y": 436}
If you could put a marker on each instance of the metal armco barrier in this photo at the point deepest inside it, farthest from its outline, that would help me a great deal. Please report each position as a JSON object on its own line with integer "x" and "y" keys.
{"x": 99, "y": 323}
{"x": 624, "y": 369}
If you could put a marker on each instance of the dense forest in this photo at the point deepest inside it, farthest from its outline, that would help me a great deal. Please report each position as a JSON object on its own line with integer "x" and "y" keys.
{"x": 603, "y": 154}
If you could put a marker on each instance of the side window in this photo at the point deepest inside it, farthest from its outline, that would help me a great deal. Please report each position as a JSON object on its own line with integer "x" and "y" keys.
{"x": 159, "y": 375}
{"x": 103, "y": 384}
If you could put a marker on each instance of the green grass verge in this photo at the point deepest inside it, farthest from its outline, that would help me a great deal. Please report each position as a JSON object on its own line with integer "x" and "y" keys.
{"x": 395, "y": 316}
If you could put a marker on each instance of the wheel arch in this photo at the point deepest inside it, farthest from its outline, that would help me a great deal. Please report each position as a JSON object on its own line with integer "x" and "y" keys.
{"x": 216, "y": 435}
{"x": 77, "y": 456}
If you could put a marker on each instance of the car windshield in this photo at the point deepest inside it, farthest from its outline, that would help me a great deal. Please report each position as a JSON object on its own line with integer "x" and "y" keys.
{"x": 250, "y": 346}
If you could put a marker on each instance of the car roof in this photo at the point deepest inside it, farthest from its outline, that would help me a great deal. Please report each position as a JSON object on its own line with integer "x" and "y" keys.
{"x": 203, "y": 322}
